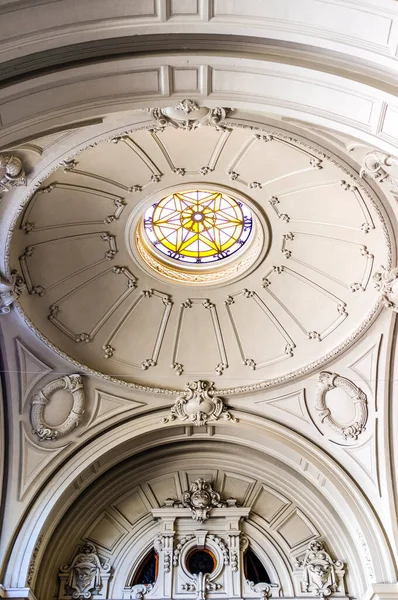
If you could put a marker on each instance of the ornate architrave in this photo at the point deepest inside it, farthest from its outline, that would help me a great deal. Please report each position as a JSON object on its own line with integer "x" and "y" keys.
{"x": 328, "y": 381}
{"x": 199, "y": 405}
{"x": 86, "y": 576}
{"x": 74, "y": 385}
{"x": 320, "y": 574}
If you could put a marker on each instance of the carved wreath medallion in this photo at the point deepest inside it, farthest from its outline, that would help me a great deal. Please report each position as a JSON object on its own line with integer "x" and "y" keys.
{"x": 328, "y": 381}
{"x": 74, "y": 385}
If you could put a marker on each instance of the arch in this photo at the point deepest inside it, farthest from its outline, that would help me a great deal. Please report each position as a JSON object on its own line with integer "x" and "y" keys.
{"x": 277, "y": 442}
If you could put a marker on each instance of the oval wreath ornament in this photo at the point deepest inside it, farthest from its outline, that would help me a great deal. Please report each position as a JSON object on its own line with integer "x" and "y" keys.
{"x": 74, "y": 385}
{"x": 328, "y": 381}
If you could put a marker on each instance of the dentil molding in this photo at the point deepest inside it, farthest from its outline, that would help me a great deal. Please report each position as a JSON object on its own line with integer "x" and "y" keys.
{"x": 72, "y": 384}
{"x": 199, "y": 404}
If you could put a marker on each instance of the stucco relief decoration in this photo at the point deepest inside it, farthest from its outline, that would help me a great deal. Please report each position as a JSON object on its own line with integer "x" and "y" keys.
{"x": 199, "y": 405}
{"x": 321, "y": 575}
{"x": 329, "y": 381}
{"x": 12, "y": 173}
{"x": 201, "y": 585}
{"x": 74, "y": 385}
{"x": 10, "y": 290}
{"x": 262, "y": 589}
{"x": 375, "y": 165}
{"x": 201, "y": 499}
{"x": 86, "y": 576}
{"x": 386, "y": 282}
{"x": 189, "y": 115}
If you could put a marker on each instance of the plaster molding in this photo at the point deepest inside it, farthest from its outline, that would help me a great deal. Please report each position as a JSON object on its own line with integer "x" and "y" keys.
{"x": 86, "y": 576}
{"x": 12, "y": 173}
{"x": 189, "y": 115}
{"x": 328, "y": 381}
{"x": 74, "y": 385}
{"x": 376, "y": 164}
{"x": 199, "y": 404}
{"x": 10, "y": 291}
{"x": 321, "y": 575}
{"x": 386, "y": 282}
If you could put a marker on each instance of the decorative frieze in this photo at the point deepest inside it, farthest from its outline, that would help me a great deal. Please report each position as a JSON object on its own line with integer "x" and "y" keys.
{"x": 199, "y": 404}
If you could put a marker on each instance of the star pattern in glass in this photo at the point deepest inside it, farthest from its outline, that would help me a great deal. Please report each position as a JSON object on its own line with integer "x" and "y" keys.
{"x": 198, "y": 226}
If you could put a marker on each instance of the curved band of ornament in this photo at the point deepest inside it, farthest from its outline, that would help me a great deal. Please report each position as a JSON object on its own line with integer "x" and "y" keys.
{"x": 329, "y": 381}
{"x": 74, "y": 385}
{"x": 199, "y": 405}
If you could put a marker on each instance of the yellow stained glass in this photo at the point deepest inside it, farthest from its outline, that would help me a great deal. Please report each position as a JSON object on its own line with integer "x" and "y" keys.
{"x": 198, "y": 225}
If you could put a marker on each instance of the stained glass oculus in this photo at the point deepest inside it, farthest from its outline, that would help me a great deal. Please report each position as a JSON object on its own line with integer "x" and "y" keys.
{"x": 198, "y": 226}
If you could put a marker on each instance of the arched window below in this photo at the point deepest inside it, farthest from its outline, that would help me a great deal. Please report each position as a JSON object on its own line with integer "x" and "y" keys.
{"x": 147, "y": 571}
{"x": 254, "y": 569}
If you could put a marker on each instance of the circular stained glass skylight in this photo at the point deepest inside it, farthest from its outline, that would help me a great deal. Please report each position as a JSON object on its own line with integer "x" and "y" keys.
{"x": 198, "y": 226}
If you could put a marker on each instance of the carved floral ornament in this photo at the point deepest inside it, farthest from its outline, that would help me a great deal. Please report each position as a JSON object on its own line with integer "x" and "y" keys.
{"x": 321, "y": 575}
{"x": 74, "y": 385}
{"x": 86, "y": 576}
{"x": 328, "y": 381}
{"x": 189, "y": 115}
{"x": 199, "y": 404}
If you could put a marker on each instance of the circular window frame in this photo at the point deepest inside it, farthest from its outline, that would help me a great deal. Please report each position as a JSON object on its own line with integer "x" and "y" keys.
{"x": 193, "y": 545}
{"x": 212, "y": 274}
{"x": 200, "y": 549}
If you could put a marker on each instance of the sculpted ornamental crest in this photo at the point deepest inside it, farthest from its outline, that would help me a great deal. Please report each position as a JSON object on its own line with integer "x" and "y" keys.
{"x": 199, "y": 404}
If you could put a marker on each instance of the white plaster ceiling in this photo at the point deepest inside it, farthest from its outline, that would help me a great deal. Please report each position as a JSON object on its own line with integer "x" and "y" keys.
{"x": 310, "y": 297}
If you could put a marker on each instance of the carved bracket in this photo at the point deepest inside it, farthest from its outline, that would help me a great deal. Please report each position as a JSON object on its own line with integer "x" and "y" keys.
{"x": 328, "y": 381}
{"x": 74, "y": 385}
{"x": 199, "y": 405}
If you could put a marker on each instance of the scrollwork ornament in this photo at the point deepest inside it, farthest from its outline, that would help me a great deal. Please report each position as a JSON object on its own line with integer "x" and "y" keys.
{"x": 85, "y": 573}
{"x": 262, "y": 589}
{"x": 386, "y": 282}
{"x": 12, "y": 173}
{"x": 199, "y": 405}
{"x": 201, "y": 499}
{"x": 74, "y": 385}
{"x": 320, "y": 572}
{"x": 189, "y": 115}
{"x": 374, "y": 166}
{"x": 328, "y": 381}
{"x": 10, "y": 290}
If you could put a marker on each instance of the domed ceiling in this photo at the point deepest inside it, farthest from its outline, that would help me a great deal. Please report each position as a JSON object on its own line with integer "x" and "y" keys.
{"x": 223, "y": 251}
